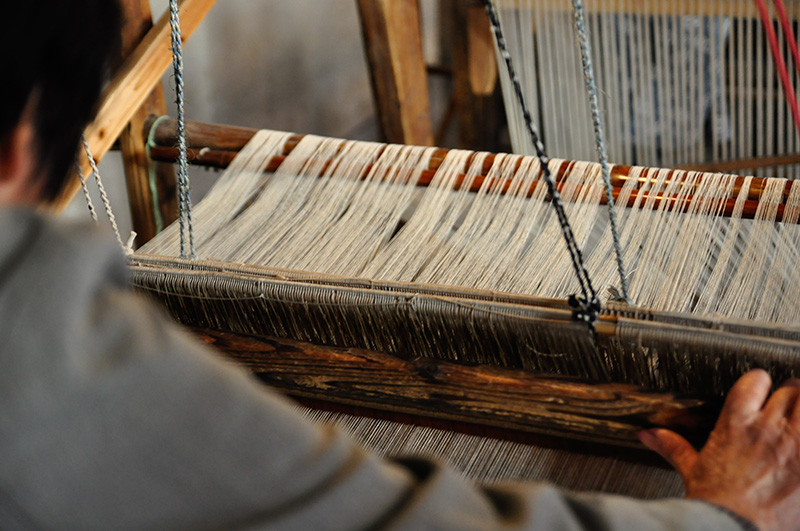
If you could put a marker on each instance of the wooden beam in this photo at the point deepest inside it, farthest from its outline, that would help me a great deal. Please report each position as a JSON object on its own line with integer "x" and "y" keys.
{"x": 393, "y": 42}
{"x": 478, "y": 103}
{"x": 153, "y": 205}
{"x": 489, "y": 396}
{"x": 131, "y": 86}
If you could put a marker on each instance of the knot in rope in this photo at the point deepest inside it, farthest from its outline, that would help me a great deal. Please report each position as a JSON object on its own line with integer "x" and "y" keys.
{"x": 584, "y": 309}
{"x": 587, "y": 305}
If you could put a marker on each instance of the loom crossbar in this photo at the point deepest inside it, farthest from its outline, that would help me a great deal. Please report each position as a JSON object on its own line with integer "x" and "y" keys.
{"x": 500, "y": 398}
{"x": 657, "y": 351}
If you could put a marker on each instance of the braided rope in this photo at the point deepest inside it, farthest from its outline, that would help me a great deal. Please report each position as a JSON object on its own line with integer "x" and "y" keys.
{"x": 103, "y": 195}
{"x": 85, "y": 188}
{"x": 600, "y": 143}
{"x": 184, "y": 198}
{"x": 586, "y": 307}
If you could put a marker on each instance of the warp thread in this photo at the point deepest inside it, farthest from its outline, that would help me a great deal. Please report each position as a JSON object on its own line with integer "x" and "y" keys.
{"x": 588, "y": 304}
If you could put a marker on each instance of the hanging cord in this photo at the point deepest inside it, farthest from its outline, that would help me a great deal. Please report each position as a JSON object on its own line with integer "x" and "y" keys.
{"x": 587, "y": 306}
{"x": 600, "y": 143}
{"x": 184, "y": 198}
{"x": 103, "y": 197}
{"x": 85, "y": 188}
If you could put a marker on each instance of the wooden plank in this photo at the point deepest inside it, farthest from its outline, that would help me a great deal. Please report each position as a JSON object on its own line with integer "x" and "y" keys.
{"x": 393, "y": 42}
{"x": 489, "y": 396}
{"x": 131, "y": 86}
{"x": 151, "y": 208}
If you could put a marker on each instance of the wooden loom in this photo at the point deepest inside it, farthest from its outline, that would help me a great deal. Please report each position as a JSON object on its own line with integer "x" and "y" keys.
{"x": 507, "y": 399}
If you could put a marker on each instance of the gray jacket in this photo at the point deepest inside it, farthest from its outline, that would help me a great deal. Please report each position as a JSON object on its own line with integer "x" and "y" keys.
{"x": 112, "y": 418}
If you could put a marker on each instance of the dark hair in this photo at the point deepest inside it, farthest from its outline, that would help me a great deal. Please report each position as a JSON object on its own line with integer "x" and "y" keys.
{"x": 57, "y": 51}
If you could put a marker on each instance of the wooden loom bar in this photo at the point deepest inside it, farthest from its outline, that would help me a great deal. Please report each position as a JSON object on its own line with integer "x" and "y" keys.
{"x": 217, "y": 145}
{"x": 488, "y": 396}
{"x": 131, "y": 86}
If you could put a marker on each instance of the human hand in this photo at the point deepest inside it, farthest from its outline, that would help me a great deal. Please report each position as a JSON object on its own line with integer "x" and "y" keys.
{"x": 751, "y": 462}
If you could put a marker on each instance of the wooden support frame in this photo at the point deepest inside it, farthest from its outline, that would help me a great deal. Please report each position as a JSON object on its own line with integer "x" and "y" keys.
{"x": 153, "y": 204}
{"x": 132, "y": 85}
{"x": 393, "y": 42}
{"x": 478, "y": 100}
{"x": 131, "y": 99}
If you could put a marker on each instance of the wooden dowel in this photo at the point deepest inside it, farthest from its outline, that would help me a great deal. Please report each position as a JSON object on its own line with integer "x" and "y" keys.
{"x": 212, "y": 137}
{"x": 217, "y": 146}
{"x": 730, "y": 166}
{"x": 484, "y": 395}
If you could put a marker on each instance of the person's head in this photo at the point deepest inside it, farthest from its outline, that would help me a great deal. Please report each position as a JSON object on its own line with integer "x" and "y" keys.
{"x": 55, "y": 59}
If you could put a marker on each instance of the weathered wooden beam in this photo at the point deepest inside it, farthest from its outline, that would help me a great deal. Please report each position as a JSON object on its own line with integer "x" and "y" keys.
{"x": 393, "y": 42}
{"x": 483, "y": 395}
{"x": 154, "y": 206}
{"x": 131, "y": 86}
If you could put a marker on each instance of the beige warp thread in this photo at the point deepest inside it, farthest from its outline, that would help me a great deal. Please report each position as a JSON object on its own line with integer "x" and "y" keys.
{"x": 321, "y": 217}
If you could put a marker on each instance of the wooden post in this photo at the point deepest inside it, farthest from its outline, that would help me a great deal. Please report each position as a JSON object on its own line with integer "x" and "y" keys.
{"x": 477, "y": 100}
{"x": 151, "y": 209}
{"x": 393, "y": 42}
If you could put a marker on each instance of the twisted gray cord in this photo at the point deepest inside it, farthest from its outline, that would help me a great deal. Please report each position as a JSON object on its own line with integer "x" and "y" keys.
{"x": 600, "y": 143}
{"x": 184, "y": 198}
{"x": 85, "y": 188}
{"x": 589, "y": 305}
{"x": 103, "y": 195}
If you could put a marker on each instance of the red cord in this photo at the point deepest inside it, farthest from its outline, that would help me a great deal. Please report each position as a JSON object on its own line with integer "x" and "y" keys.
{"x": 780, "y": 7}
{"x": 780, "y": 64}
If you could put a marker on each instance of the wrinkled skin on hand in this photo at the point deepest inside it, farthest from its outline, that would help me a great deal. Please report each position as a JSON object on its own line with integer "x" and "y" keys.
{"x": 751, "y": 462}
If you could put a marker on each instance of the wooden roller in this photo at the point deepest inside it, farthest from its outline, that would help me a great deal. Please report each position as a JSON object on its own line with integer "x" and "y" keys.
{"x": 217, "y": 145}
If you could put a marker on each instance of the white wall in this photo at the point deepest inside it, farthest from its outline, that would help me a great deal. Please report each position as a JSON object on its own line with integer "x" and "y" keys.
{"x": 295, "y": 65}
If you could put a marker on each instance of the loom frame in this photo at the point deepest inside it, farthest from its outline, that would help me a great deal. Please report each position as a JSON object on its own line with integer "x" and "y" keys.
{"x": 135, "y": 95}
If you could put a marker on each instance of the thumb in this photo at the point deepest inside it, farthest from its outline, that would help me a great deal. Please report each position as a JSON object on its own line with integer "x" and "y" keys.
{"x": 672, "y": 447}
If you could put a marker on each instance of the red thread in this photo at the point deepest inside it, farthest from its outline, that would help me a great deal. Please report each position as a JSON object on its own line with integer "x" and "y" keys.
{"x": 780, "y": 64}
{"x": 780, "y": 7}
